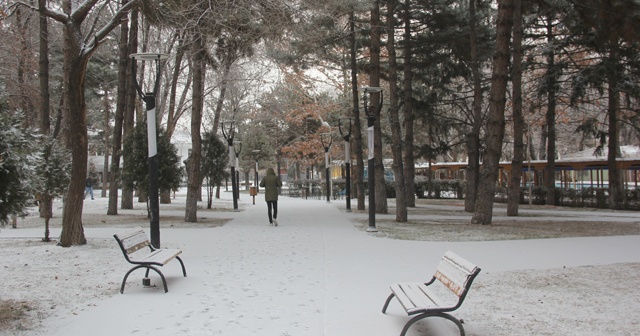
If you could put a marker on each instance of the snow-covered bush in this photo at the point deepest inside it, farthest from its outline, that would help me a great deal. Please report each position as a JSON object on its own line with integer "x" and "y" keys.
{"x": 18, "y": 158}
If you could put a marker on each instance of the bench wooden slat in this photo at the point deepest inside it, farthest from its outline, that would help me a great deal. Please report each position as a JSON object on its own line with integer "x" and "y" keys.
{"x": 447, "y": 275}
{"x": 162, "y": 256}
{"x": 464, "y": 264}
{"x": 416, "y": 297}
{"x": 134, "y": 240}
{"x": 454, "y": 272}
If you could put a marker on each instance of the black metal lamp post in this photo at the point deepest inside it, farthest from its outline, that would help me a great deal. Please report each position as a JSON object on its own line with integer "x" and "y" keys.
{"x": 228, "y": 131}
{"x": 237, "y": 149}
{"x": 347, "y": 159}
{"x": 372, "y": 113}
{"x": 149, "y": 99}
{"x": 327, "y": 140}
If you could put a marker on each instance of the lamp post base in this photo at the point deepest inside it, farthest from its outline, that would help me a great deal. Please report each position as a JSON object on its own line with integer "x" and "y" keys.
{"x": 372, "y": 229}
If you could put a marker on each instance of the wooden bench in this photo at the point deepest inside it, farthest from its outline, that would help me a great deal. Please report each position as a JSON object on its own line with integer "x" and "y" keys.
{"x": 453, "y": 273}
{"x": 134, "y": 245}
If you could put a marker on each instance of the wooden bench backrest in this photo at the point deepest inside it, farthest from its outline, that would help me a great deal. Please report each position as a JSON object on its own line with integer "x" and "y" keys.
{"x": 456, "y": 273}
{"x": 132, "y": 241}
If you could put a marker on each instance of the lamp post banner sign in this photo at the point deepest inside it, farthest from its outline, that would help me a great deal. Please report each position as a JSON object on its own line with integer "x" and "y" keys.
{"x": 370, "y": 141}
{"x": 151, "y": 132}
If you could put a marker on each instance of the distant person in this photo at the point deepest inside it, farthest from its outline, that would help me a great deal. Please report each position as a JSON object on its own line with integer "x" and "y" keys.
{"x": 88, "y": 187}
{"x": 271, "y": 183}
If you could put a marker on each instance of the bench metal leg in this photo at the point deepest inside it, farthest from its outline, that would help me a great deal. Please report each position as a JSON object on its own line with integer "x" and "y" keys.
{"x": 148, "y": 267}
{"x": 386, "y": 304}
{"x": 182, "y": 264}
{"x": 425, "y": 315}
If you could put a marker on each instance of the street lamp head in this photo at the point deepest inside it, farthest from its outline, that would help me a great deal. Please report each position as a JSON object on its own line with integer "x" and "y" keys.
{"x": 369, "y": 91}
{"x": 149, "y": 56}
{"x": 326, "y": 140}
{"x": 237, "y": 148}
{"x": 345, "y": 134}
{"x": 228, "y": 130}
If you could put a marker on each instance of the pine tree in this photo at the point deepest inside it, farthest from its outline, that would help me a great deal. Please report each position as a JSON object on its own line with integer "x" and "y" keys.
{"x": 214, "y": 161}
{"x": 18, "y": 159}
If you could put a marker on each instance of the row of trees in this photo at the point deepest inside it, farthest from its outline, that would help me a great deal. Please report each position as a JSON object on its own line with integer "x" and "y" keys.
{"x": 481, "y": 80}
{"x": 474, "y": 80}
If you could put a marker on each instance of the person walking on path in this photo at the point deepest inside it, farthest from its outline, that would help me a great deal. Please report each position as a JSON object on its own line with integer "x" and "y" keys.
{"x": 88, "y": 187}
{"x": 271, "y": 183}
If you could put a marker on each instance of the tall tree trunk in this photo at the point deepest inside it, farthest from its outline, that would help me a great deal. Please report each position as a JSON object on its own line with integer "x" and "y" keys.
{"x": 129, "y": 114}
{"x": 46, "y": 201}
{"x": 193, "y": 171}
{"x": 542, "y": 146}
{"x": 107, "y": 136}
{"x": 513, "y": 199}
{"x": 615, "y": 183}
{"x": 172, "y": 115}
{"x": 394, "y": 118}
{"x": 223, "y": 90}
{"x": 124, "y": 86}
{"x": 172, "y": 119}
{"x": 409, "y": 115}
{"x": 550, "y": 170}
{"x": 473, "y": 139}
{"x": 495, "y": 124}
{"x": 75, "y": 133}
{"x": 358, "y": 169}
{"x": 374, "y": 81}
{"x": 43, "y": 71}
{"x": 165, "y": 197}
{"x": 26, "y": 104}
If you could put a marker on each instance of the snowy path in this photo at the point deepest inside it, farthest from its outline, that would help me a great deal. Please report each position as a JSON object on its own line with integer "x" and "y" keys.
{"x": 315, "y": 274}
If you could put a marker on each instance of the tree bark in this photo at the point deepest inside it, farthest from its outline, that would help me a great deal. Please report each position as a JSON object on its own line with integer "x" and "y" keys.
{"x": 193, "y": 170}
{"x": 513, "y": 199}
{"x": 46, "y": 201}
{"x": 107, "y": 130}
{"x": 358, "y": 169}
{"x": 550, "y": 170}
{"x": 172, "y": 118}
{"x": 615, "y": 183}
{"x": 473, "y": 139}
{"x": 25, "y": 101}
{"x": 124, "y": 82}
{"x": 223, "y": 90}
{"x": 43, "y": 73}
{"x": 75, "y": 132}
{"x": 409, "y": 115}
{"x": 394, "y": 118}
{"x": 374, "y": 81}
{"x": 483, "y": 211}
{"x": 129, "y": 112}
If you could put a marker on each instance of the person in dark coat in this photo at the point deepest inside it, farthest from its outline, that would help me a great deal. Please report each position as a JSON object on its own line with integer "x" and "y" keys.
{"x": 271, "y": 183}
{"x": 88, "y": 189}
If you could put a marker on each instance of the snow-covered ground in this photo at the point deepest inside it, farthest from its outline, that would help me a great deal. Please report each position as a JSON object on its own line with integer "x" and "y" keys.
{"x": 315, "y": 274}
